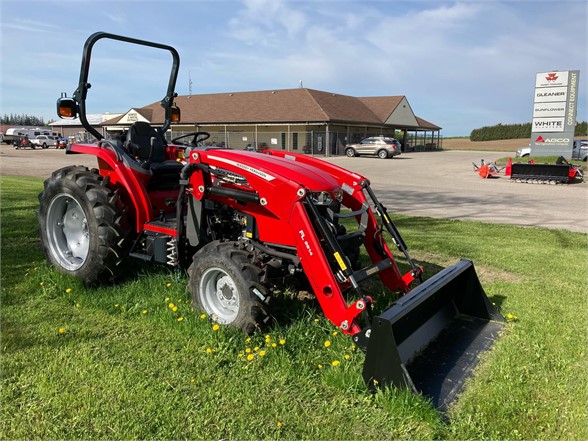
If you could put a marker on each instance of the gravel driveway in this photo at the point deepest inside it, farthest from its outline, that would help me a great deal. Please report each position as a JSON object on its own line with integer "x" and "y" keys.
{"x": 435, "y": 184}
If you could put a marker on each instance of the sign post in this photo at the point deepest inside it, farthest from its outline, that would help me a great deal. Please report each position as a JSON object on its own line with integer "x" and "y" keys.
{"x": 554, "y": 113}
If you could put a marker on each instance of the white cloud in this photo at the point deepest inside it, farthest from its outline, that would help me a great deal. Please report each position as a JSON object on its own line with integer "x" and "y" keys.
{"x": 117, "y": 18}
{"x": 262, "y": 21}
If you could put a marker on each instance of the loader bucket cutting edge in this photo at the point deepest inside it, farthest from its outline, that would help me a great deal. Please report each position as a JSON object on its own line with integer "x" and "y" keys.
{"x": 430, "y": 339}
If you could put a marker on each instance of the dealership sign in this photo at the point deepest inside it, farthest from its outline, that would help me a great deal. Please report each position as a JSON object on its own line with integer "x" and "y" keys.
{"x": 554, "y": 113}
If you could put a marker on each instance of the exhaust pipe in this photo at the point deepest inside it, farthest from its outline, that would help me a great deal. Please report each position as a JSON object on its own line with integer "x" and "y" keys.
{"x": 430, "y": 339}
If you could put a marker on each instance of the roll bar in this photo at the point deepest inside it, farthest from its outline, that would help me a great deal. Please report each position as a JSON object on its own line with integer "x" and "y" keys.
{"x": 81, "y": 92}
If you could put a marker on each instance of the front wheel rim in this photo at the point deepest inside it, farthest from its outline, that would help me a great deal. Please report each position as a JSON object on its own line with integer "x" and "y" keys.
{"x": 219, "y": 294}
{"x": 67, "y": 232}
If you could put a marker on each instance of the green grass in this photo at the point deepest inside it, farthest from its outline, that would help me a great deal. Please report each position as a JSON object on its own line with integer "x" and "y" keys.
{"x": 125, "y": 367}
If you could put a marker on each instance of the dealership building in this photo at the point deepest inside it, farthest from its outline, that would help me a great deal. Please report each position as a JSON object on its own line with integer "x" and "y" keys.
{"x": 298, "y": 119}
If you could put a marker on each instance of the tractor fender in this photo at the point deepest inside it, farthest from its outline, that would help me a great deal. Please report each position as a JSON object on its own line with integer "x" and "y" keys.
{"x": 123, "y": 172}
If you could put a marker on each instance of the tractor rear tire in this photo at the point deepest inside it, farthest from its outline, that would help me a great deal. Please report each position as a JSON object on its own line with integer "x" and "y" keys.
{"x": 224, "y": 284}
{"x": 83, "y": 225}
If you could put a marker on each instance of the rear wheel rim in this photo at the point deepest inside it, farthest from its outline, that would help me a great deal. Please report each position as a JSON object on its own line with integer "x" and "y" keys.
{"x": 219, "y": 294}
{"x": 67, "y": 232}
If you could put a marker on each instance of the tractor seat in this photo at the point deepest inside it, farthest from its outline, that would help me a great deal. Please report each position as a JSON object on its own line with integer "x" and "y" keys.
{"x": 147, "y": 146}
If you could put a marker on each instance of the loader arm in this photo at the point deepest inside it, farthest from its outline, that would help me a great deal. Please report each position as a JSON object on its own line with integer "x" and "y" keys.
{"x": 279, "y": 193}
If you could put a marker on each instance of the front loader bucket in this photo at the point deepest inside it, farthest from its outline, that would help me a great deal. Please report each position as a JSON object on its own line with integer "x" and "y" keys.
{"x": 430, "y": 339}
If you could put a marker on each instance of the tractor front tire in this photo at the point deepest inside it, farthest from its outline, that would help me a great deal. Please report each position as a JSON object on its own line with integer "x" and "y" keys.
{"x": 83, "y": 225}
{"x": 224, "y": 284}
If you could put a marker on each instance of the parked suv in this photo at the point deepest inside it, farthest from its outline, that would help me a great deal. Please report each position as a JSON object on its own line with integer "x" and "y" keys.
{"x": 580, "y": 150}
{"x": 375, "y": 145}
{"x": 44, "y": 141}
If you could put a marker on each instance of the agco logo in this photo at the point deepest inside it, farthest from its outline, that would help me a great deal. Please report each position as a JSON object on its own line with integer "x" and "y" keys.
{"x": 551, "y": 76}
{"x": 540, "y": 139}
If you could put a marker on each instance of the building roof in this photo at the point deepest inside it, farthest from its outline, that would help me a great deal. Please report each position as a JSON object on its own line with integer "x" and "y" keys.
{"x": 281, "y": 106}
{"x": 427, "y": 125}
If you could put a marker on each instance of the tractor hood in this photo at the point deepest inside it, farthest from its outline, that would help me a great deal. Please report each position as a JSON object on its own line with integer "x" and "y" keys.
{"x": 272, "y": 167}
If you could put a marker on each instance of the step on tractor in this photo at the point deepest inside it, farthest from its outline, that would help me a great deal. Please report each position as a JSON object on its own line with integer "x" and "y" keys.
{"x": 241, "y": 222}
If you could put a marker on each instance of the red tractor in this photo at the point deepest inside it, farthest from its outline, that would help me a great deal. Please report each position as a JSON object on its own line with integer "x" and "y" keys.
{"x": 242, "y": 221}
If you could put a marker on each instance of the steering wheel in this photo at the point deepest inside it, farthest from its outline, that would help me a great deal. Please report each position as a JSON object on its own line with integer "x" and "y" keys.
{"x": 197, "y": 139}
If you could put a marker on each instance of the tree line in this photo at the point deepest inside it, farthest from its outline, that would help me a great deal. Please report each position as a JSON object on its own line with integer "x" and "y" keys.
{"x": 515, "y": 131}
{"x": 23, "y": 120}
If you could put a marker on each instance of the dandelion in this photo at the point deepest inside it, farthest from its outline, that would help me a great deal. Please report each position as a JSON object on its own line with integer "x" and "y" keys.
{"x": 327, "y": 344}
{"x": 240, "y": 354}
{"x": 248, "y": 339}
{"x": 68, "y": 290}
{"x": 168, "y": 284}
{"x": 283, "y": 341}
{"x": 250, "y": 357}
{"x": 274, "y": 345}
{"x": 347, "y": 356}
{"x": 62, "y": 330}
{"x": 261, "y": 353}
{"x": 180, "y": 319}
{"x": 144, "y": 311}
{"x": 208, "y": 350}
{"x": 335, "y": 333}
{"x": 511, "y": 317}
{"x": 193, "y": 380}
{"x": 247, "y": 350}
{"x": 175, "y": 308}
{"x": 202, "y": 316}
{"x": 166, "y": 299}
{"x": 279, "y": 424}
{"x": 42, "y": 283}
{"x": 335, "y": 362}
{"x": 320, "y": 366}
{"x": 171, "y": 306}
{"x": 256, "y": 348}
{"x": 375, "y": 382}
{"x": 215, "y": 327}
{"x": 77, "y": 305}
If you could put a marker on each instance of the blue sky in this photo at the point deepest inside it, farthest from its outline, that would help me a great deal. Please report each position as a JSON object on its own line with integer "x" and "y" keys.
{"x": 461, "y": 64}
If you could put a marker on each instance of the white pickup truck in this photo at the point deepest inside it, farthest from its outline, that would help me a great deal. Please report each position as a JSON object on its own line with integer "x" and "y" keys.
{"x": 45, "y": 141}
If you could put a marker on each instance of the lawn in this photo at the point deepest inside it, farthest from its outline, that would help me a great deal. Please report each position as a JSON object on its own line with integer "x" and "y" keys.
{"x": 133, "y": 361}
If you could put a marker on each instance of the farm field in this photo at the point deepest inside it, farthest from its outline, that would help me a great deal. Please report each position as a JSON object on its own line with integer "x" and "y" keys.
{"x": 504, "y": 145}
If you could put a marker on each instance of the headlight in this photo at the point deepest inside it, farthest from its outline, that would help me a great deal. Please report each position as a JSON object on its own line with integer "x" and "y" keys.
{"x": 326, "y": 198}
{"x": 321, "y": 197}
